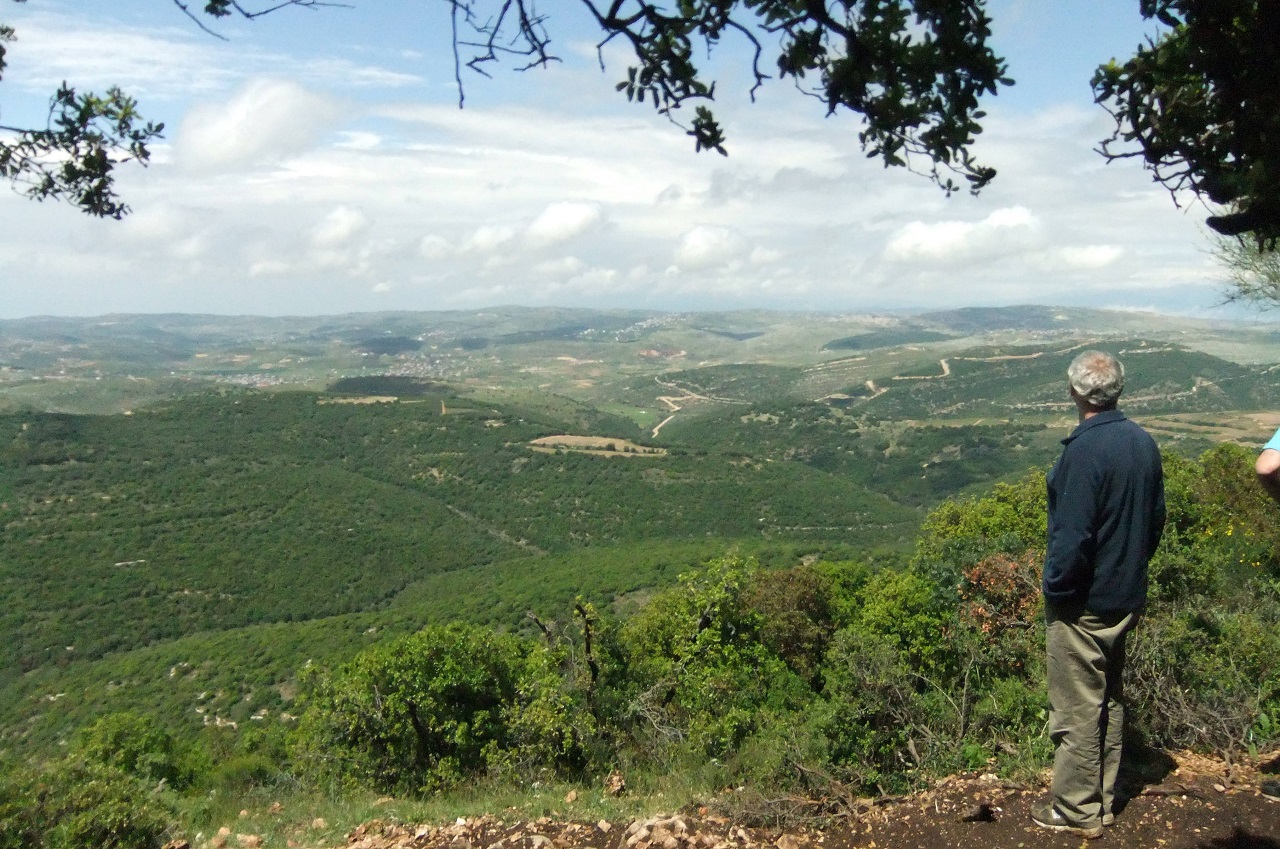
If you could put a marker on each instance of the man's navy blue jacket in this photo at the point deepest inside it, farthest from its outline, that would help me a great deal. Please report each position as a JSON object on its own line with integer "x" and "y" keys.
{"x": 1106, "y": 514}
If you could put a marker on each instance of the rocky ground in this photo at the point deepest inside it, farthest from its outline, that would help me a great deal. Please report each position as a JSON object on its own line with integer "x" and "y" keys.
{"x": 1188, "y": 802}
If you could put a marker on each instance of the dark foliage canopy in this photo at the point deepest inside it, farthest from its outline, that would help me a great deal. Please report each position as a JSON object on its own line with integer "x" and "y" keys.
{"x": 1201, "y": 105}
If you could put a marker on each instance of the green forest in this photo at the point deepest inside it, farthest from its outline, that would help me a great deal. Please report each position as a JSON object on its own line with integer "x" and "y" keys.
{"x": 383, "y": 588}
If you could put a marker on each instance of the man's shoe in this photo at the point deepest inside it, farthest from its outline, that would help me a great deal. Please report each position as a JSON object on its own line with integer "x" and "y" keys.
{"x": 1270, "y": 789}
{"x": 1108, "y": 819}
{"x": 1046, "y": 815}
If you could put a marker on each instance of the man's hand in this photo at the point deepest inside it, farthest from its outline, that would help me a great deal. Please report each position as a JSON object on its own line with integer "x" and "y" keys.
{"x": 1268, "y": 469}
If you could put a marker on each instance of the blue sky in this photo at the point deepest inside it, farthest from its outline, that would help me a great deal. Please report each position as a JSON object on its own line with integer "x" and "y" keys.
{"x": 317, "y": 162}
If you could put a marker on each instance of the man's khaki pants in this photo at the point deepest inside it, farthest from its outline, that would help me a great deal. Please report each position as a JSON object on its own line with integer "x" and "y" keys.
{"x": 1086, "y": 654}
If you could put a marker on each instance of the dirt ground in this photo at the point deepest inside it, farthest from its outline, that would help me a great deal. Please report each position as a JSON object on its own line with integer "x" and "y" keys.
{"x": 1177, "y": 802}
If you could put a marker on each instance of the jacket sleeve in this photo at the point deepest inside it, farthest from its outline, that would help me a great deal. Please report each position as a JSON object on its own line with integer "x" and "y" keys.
{"x": 1073, "y": 509}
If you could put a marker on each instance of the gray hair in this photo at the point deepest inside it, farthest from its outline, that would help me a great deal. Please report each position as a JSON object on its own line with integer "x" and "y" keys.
{"x": 1097, "y": 377}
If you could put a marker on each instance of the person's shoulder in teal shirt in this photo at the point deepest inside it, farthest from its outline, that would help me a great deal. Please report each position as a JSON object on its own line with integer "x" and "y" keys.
{"x": 1274, "y": 444}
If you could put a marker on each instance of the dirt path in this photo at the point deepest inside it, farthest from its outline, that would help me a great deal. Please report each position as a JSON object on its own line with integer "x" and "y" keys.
{"x": 685, "y": 396}
{"x": 946, "y": 372}
{"x": 1193, "y": 804}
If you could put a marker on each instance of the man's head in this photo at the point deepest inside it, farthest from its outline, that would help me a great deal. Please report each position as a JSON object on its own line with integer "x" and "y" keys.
{"x": 1097, "y": 379}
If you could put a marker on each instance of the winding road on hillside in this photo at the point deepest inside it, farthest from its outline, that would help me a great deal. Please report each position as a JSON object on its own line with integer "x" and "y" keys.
{"x": 685, "y": 396}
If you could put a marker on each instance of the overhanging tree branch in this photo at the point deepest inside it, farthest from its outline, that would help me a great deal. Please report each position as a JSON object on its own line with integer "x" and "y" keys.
{"x": 1200, "y": 105}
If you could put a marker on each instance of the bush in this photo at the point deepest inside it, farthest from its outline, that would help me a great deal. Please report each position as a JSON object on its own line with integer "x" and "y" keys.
{"x": 241, "y": 773}
{"x": 1203, "y": 677}
{"x": 795, "y": 610}
{"x": 904, "y": 608}
{"x": 1222, "y": 531}
{"x": 138, "y": 746}
{"x": 1002, "y": 610}
{"x": 72, "y": 805}
{"x": 421, "y": 713}
{"x": 1011, "y": 520}
{"x": 874, "y": 718}
{"x": 698, "y": 670}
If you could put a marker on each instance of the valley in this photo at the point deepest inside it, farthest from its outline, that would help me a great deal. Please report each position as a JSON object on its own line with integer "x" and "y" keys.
{"x": 203, "y": 514}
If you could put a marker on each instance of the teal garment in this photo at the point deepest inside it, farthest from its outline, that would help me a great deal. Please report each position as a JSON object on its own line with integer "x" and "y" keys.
{"x": 1274, "y": 444}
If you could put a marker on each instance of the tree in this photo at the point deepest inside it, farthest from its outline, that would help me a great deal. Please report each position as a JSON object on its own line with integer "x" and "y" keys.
{"x": 1197, "y": 101}
{"x": 914, "y": 69}
{"x": 74, "y": 156}
{"x": 1202, "y": 107}
{"x": 1253, "y": 275}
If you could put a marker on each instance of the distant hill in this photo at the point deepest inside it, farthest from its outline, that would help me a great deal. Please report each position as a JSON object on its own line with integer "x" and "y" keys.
{"x": 886, "y": 338}
{"x": 602, "y": 358}
{"x": 1022, "y": 380}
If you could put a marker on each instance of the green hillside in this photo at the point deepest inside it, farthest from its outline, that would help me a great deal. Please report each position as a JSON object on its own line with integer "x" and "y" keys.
{"x": 1028, "y": 380}
{"x": 238, "y": 509}
{"x": 221, "y": 512}
{"x": 736, "y": 548}
{"x": 913, "y": 463}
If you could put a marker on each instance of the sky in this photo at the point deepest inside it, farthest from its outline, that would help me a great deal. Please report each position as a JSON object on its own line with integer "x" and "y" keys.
{"x": 317, "y": 162}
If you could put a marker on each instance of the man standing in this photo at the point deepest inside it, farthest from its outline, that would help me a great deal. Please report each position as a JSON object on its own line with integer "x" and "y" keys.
{"x": 1106, "y": 514}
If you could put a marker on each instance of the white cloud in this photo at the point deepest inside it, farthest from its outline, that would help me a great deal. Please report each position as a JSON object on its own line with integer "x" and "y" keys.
{"x": 54, "y": 47}
{"x": 761, "y": 255}
{"x": 1002, "y": 232}
{"x": 593, "y": 281}
{"x": 335, "y": 179}
{"x": 269, "y": 268}
{"x": 349, "y": 73}
{"x": 339, "y": 227}
{"x": 488, "y": 237}
{"x": 165, "y": 61}
{"x": 562, "y": 221}
{"x": 435, "y": 247}
{"x": 358, "y": 141}
{"x": 1090, "y": 256}
{"x": 265, "y": 121}
{"x": 705, "y": 246}
{"x": 564, "y": 267}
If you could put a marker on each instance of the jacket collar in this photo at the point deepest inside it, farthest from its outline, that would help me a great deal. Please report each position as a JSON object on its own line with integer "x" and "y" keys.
{"x": 1103, "y": 418}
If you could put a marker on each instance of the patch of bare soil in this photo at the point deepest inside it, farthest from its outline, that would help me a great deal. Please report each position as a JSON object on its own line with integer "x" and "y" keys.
{"x": 594, "y": 445}
{"x": 1182, "y": 802}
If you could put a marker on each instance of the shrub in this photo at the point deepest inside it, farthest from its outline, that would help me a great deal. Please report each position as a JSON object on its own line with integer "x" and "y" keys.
{"x": 240, "y": 773}
{"x": 794, "y": 607}
{"x": 136, "y": 745}
{"x": 872, "y": 713}
{"x": 1221, "y": 526}
{"x": 1203, "y": 677}
{"x": 420, "y": 713}
{"x": 1012, "y": 519}
{"x": 903, "y": 608}
{"x": 1001, "y": 609}
{"x": 73, "y": 804}
{"x": 698, "y": 669}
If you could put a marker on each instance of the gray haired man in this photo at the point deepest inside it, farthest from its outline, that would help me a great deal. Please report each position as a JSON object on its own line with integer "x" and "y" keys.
{"x": 1106, "y": 514}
